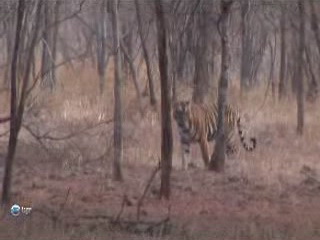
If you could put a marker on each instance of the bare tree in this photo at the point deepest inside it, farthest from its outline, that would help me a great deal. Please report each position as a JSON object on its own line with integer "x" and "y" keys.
{"x": 244, "y": 44}
{"x": 133, "y": 71}
{"x": 18, "y": 100}
{"x": 55, "y": 33}
{"x": 153, "y": 100}
{"x": 201, "y": 74}
{"x": 314, "y": 86}
{"x": 299, "y": 80}
{"x": 49, "y": 42}
{"x": 166, "y": 126}
{"x": 101, "y": 38}
{"x": 117, "y": 141}
{"x": 9, "y": 31}
{"x": 281, "y": 89}
{"x": 253, "y": 44}
{"x": 218, "y": 157}
{"x": 6, "y": 185}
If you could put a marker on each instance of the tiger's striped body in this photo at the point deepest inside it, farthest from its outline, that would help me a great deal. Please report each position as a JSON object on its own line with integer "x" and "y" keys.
{"x": 198, "y": 123}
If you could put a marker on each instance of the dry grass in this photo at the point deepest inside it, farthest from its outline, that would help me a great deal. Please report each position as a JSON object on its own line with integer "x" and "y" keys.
{"x": 269, "y": 194}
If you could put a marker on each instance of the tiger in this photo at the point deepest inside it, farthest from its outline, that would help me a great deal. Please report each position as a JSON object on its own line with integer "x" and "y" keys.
{"x": 198, "y": 123}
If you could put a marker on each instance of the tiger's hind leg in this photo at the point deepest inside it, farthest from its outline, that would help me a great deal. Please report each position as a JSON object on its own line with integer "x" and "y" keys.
{"x": 185, "y": 151}
{"x": 231, "y": 147}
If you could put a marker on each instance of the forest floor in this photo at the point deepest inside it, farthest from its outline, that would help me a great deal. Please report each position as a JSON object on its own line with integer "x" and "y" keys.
{"x": 271, "y": 193}
{"x": 203, "y": 205}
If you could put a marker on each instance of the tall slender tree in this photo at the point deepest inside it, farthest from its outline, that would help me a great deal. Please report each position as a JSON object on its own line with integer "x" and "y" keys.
{"x": 166, "y": 126}
{"x": 218, "y": 157}
{"x": 18, "y": 98}
{"x": 153, "y": 99}
{"x": 299, "y": 80}
{"x": 281, "y": 89}
{"x": 117, "y": 140}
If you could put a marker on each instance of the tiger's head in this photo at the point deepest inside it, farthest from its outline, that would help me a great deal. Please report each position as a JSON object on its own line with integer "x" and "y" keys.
{"x": 181, "y": 111}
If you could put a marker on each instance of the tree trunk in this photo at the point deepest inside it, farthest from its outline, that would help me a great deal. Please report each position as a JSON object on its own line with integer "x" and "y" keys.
{"x": 54, "y": 39}
{"x": 313, "y": 86}
{"x": 314, "y": 24}
{"x": 218, "y": 157}
{"x": 133, "y": 74}
{"x": 47, "y": 55}
{"x": 17, "y": 107}
{"x": 101, "y": 27}
{"x": 244, "y": 70}
{"x": 315, "y": 27}
{"x": 272, "y": 61}
{"x": 299, "y": 80}
{"x": 282, "y": 77}
{"x": 9, "y": 30}
{"x": 166, "y": 127}
{"x": 117, "y": 141}
{"x": 153, "y": 100}
{"x": 6, "y": 185}
{"x": 201, "y": 75}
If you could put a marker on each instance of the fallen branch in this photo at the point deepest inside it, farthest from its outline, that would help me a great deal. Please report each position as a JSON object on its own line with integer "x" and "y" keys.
{"x": 63, "y": 204}
{"x": 52, "y": 214}
{"x": 140, "y": 201}
{"x": 39, "y": 140}
{"x": 4, "y": 119}
{"x": 125, "y": 202}
{"x": 46, "y": 135}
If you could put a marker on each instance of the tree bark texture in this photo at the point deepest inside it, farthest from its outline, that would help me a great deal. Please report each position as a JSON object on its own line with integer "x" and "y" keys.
{"x": 218, "y": 157}
{"x": 166, "y": 126}
{"x": 117, "y": 140}
{"x": 300, "y": 84}
{"x": 282, "y": 77}
{"x": 153, "y": 99}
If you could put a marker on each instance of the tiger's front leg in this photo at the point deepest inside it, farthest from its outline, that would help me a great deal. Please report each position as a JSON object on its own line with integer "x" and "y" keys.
{"x": 185, "y": 151}
{"x": 231, "y": 149}
{"x": 205, "y": 152}
{"x": 230, "y": 145}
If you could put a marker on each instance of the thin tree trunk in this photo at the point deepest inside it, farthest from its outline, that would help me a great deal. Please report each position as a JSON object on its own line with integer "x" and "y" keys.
{"x": 314, "y": 23}
{"x": 153, "y": 100}
{"x": 54, "y": 39}
{"x": 101, "y": 22}
{"x": 17, "y": 107}
{"x": 313, "y": 86}
{"x": 201, "y": 75}
{"x": 118, "y": 145}
{"x": 9, "y": 26}
{"x": 6, "y": 185}
{"x": 47, "y": 55}
{"x": 300, "y": 87}
{"x": 315, "y": 27}
{"x": 218, "y": 157}
{"x": 282, "y": 77}
{"x": 273, "y": 59}
{"x": 134, "y": 75}
{"x": 166, "y": 127}
{"x": 244, "y": 70}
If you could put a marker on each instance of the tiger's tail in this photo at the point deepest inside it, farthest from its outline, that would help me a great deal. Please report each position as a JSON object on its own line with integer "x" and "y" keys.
{"x": 253, "y": 140}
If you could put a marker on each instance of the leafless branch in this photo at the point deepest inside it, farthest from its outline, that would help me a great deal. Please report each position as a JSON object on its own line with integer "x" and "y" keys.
{"x": 140, "y": 201}
{"x": 73, "y": 134}
{"x": 5, "y": 119}
{"x": 62, "y": 206}
{"x": 72, "y": 15}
